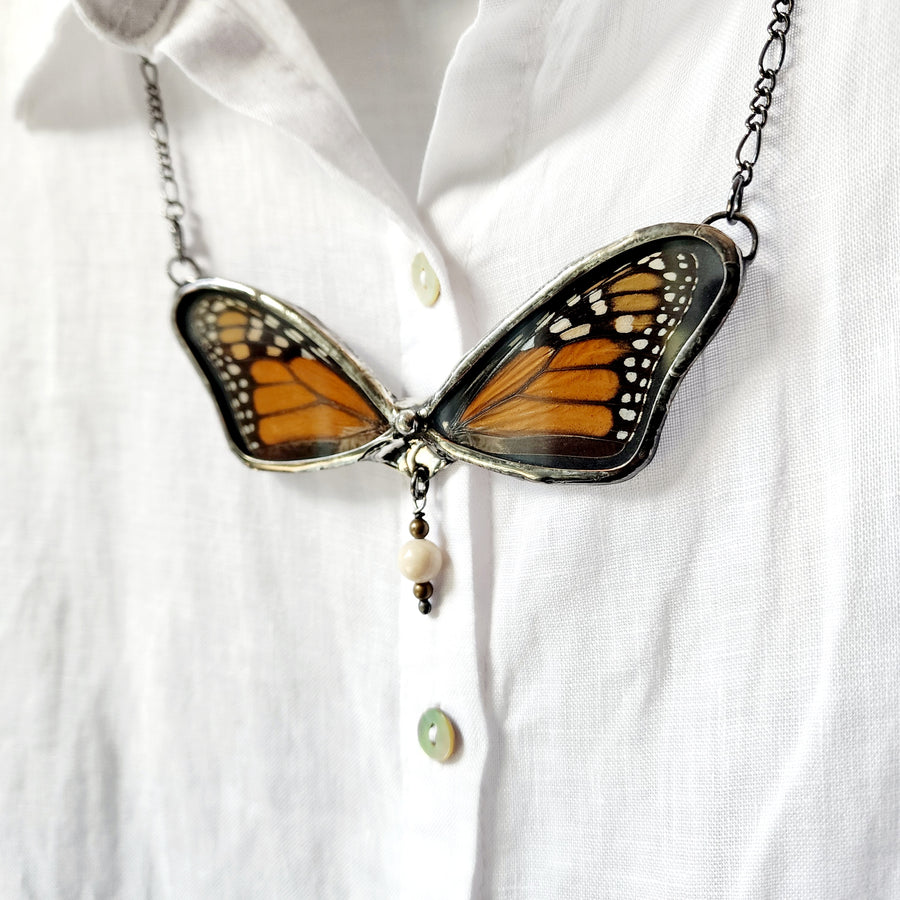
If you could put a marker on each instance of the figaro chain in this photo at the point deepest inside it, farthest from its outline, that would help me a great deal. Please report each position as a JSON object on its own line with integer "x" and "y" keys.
{"x": 183, "y": 269}
{"x": 771, "y": 59}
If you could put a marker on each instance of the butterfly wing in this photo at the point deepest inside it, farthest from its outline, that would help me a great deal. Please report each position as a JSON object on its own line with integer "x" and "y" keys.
{"x": 290, "y": 396}
{"x": 575, "y": 386}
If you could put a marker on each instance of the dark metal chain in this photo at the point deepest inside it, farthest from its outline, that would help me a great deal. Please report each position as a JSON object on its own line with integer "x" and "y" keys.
{"x": 770, "y": 62}
{"x": 181, "y": 268}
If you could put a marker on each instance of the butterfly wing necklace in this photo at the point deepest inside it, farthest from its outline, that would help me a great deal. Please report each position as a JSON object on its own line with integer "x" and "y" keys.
{"x": 572, "y": 387}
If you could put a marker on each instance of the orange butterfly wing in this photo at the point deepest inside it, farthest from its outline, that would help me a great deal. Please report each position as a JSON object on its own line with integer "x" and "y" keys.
{"x": 574, "y": 384}
{"x": 285, "y": 393}
{"x": 578, "y": 381}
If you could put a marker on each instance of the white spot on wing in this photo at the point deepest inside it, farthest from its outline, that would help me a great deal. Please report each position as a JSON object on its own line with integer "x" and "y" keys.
{"x": 560, "y": 325}
{"x": 576, "y": 332}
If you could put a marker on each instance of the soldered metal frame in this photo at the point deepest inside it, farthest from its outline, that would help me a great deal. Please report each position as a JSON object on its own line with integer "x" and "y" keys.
{"x": 644, "y": 448}
{"x": 412, "y": 439}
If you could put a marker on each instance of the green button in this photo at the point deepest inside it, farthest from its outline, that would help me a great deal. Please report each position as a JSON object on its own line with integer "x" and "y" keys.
{"x": 437, "y": 736}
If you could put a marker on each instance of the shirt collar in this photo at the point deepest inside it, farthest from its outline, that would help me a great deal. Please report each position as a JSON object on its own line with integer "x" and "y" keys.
{"x": 251, "y": 55}
{"x": 136, "y": 25}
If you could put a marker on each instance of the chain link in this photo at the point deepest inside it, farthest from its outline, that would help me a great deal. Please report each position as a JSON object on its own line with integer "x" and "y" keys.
{"x": 181, "y": 268}
{"x": 418, "y": 487}
{"x": 771, "y": 59}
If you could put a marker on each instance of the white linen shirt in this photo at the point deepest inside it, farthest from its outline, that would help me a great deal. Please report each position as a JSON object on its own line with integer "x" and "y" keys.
{"x": 681, "y": 686}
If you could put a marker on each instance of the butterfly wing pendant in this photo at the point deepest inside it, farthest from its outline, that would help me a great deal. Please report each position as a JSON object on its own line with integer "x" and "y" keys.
{"x": 573, "y": 387}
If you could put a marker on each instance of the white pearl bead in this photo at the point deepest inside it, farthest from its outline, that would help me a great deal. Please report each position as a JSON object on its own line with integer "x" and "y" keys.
{"x": 420, "y": 560}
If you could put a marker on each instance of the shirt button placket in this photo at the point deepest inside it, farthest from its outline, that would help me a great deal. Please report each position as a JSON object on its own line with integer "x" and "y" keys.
{"x": 441, "y": 723}
{"x": 442, "y": 733}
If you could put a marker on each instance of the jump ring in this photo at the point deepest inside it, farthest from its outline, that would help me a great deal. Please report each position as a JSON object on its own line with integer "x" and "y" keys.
{"x": 182, "y": 270}
{"x": 747, "y": 223}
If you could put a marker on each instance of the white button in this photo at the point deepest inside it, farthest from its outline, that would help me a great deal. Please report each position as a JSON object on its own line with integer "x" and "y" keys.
{"x": 425, "y": 282}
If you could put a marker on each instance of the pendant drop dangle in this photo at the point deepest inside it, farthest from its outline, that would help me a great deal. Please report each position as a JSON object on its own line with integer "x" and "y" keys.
{"x": 420, "y": 559}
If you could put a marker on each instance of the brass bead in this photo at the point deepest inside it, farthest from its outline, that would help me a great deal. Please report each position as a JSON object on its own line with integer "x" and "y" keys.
{"x": 424, "y": 607}
{"x": 423, "y": 590}
{"x": 418, "y": 528}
